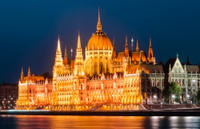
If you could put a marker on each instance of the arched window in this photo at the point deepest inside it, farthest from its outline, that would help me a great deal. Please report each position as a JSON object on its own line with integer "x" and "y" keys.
{"x": 158, "y": 83}
{"x": 101, "y": 67}
{"x": 95, "y": 68}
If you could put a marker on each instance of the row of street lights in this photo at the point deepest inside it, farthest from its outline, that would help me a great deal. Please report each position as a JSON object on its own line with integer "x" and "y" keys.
{"x": 174, "y": 96}
{"x": 155, "y": 97}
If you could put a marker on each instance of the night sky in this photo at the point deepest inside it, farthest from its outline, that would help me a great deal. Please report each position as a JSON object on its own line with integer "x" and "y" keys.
{"x": 29, "y": 29}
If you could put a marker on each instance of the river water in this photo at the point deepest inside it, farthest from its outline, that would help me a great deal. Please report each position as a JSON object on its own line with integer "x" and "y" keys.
{"x": 97, "y": 122}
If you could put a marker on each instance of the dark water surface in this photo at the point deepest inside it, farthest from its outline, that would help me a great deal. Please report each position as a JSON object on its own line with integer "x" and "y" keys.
{"x": 97, "y": 122}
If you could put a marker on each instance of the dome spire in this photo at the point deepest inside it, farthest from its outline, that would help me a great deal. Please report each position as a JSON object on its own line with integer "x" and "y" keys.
{"x": 99, "y": 26}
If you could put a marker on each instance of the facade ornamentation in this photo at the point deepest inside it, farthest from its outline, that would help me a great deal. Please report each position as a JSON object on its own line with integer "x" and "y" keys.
{"x": 95, "y": 83}
{"x": 103, "y": 81}
{"x": 185, "y": 75}
{"x": 33, "y": 92}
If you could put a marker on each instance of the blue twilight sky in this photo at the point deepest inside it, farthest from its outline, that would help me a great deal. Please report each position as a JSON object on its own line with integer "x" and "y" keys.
{"x": 29, "y": 29}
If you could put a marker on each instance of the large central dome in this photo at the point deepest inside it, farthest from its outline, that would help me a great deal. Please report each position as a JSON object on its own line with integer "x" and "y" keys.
{"x": 99, "y": 40}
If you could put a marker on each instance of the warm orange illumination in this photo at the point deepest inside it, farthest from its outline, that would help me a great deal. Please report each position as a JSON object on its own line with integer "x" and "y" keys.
{"x": 98, "y": 83}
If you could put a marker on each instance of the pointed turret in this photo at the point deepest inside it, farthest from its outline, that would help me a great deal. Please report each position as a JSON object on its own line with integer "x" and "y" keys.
{"x": 58, "y": 58}
{"x": 114, "y": 50}
{"x": 58, "y": 50}
{"x": 150, "y": 53}
{"x": 65, "y": 57}
{"x": 22, "y": 74}
{"x": 137, "y": 47}
{"x": 126, "y": 52}
{"x": 58, "y": 65}
{"x": 29, "y": 72}
{"x": 79, "y": 65}
{"x": 79, "y": 42}
{"x": 99, "y": 26}
{"x": 151, "y": 58}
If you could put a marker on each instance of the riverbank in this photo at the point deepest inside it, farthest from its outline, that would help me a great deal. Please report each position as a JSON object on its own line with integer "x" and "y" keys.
{"x": 173, "y": 112}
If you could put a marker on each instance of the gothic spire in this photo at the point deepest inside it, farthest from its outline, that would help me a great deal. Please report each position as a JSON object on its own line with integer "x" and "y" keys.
{"x": 79, "y": 42}
{"x": 99, "y": 26}
{"x": 151, "y": 58}
{"x": 22, "y": 74}
{"x": 114, "y": 50}
{"x": 137, "y": 47}
{"x": 65, "y": 57}
{"x": 79, "y": 65}
{"x": 126, "y": 47}
{"x": 29, "y": 72}
{"x": 58, "y": 45}
{"x": 150, "y": 53}
{"x": 58, "y": 58}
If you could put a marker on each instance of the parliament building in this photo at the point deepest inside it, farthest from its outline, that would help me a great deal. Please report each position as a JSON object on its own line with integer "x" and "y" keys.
{"x": 102, "y": 81}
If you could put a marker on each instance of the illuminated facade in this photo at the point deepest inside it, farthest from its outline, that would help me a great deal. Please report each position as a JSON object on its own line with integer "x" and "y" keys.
{"x": 185, "y": 75}
{"x": 95, "y": 83}
{"x": 33, "y": 92}
{"x": 102, "y": 81}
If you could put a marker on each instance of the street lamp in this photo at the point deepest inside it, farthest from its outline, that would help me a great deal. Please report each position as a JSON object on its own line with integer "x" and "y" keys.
{"x": 155, "y": 96}
{"x": 188, "y": 96}
{"x": 188, "y": 99}
{"x": 173, "y": 97}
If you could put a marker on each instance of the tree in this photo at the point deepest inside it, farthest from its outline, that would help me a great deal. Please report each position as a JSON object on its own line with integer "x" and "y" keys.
{"x": 197, "y": 97}
{"x": 172, "y": 89}
{"x": 166, "y": 94}
{"x": 177, "y": 91}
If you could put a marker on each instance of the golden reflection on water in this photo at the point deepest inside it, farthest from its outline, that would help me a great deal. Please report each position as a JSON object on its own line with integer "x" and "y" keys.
{"x": 79, "y": 122}
{"x": 97, "y": 122}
